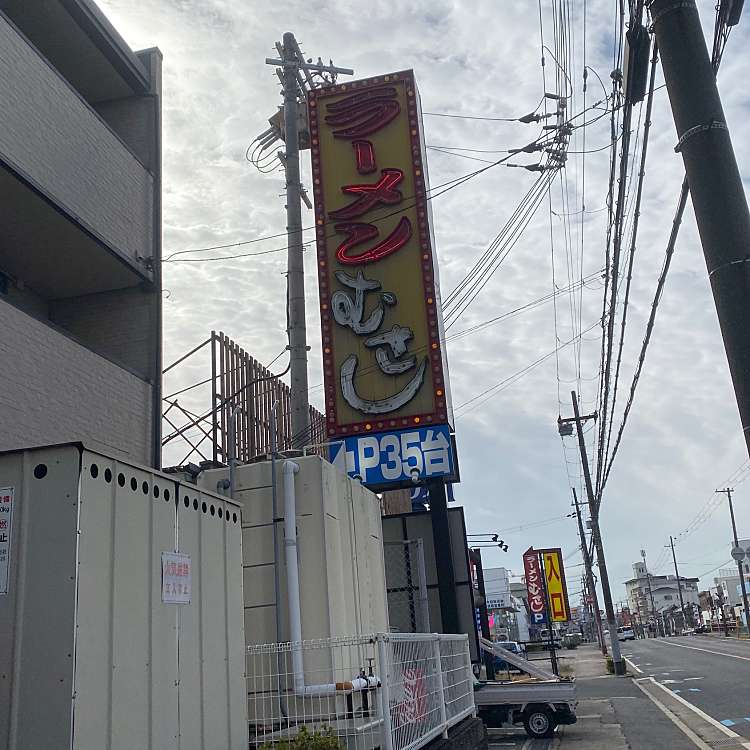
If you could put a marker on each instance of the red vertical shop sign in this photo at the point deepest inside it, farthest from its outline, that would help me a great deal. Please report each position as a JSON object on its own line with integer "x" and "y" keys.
{"x": 534, "y": 584}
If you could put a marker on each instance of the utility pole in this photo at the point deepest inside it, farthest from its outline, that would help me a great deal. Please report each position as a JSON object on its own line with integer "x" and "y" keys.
{"x": 738, "y": 558}
{"x": 716, "y": 187}
{"x": 617, "y": 660}
{"x": 299, "y": 403}
{"x": 651, "y": 593}
{"x": 589, "y": 575}
{"x": 679, "y": 584}
{"x": 293, "y": 65}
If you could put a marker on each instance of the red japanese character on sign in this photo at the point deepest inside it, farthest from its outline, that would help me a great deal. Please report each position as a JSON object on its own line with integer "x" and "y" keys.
{"x": 549, "y": 566}
{"x": 558, "y": 605}
{"x": 360, "y": 233}
{"x": 364, "y": 113}
{"x": 383, "y": 191}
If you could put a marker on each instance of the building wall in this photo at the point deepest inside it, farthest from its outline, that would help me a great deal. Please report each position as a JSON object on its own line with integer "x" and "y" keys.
{"x": 55, "y": 139}
{"x": 120, "y": 325}
{"x": 54, "y": 390}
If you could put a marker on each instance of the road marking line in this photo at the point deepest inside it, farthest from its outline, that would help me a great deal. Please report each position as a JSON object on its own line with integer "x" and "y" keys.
{"x": 684, "y": 728}
{"x": 703, "y": 714}
{"x": 694, "y": 678}
{"x": 707, "y": 650}
{"x": 635, "y": 666}
{"x": 694, "y": 690}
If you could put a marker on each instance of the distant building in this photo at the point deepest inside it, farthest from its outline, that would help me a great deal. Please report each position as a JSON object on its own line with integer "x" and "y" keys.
{"x": 663, "y": 588}
{"x": 80, "y": 232}
{"x": 506, "y": 601}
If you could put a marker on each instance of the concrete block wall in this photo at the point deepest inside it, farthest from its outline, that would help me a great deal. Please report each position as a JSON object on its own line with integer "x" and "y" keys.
{"x": 54, "y": 390}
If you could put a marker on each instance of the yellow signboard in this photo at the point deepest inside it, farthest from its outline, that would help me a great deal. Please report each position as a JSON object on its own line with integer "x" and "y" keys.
{"x": 383, "y": 354}
{"x": 557, "y": 591}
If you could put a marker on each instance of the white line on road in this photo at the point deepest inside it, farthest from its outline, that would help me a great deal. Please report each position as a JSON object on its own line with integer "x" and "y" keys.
{"x": 710, "y": 719}
{"x": 706, "y": 650}
{"x": 684, "y": 728}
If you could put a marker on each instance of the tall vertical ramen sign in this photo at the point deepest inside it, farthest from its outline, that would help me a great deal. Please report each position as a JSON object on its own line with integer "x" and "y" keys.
{"x": 386, "y": 384}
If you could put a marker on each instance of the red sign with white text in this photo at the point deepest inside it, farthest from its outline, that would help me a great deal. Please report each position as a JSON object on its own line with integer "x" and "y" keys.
{"x": 534, "y": 584}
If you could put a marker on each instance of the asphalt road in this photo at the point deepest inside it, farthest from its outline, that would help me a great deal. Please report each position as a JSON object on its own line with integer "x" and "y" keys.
{"x": 711, "y": 673}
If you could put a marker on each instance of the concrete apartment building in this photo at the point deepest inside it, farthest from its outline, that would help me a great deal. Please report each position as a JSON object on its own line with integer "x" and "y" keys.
{"x": 664, "y": 589}
{"x": 80, "y": 232}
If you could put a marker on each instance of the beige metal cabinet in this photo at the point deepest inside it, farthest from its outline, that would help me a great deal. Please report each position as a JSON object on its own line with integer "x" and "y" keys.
{"x": 92, "y": 657}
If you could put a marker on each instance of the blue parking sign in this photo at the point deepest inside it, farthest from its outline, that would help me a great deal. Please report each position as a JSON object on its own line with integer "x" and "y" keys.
{"x": 399, "y": 458}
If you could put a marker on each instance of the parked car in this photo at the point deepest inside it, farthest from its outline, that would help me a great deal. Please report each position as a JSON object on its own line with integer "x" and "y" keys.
{"x": 625, "y": 633}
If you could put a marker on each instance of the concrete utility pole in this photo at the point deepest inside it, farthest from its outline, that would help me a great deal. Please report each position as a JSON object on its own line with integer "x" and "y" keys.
{"x": 299, "y": 403}
{"x": 679, "y": 584}
{"x": 738, "y": 558}
{"x": 617, "y": 660}
{"x": 651, "y": 594}
{"x": 716, "y": 188}
{"x": 293, "y": 64}
{"x": 589, "y": 575}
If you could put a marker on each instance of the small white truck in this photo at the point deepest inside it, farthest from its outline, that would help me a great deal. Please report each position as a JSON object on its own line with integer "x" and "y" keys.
{"x": 540, "y": 704}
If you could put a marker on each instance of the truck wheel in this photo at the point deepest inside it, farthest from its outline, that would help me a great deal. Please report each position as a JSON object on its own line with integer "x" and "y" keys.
{"x": 539, "y": 722}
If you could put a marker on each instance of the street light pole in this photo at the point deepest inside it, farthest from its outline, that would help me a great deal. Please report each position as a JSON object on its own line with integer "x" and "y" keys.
{"x": 738, "y": 557}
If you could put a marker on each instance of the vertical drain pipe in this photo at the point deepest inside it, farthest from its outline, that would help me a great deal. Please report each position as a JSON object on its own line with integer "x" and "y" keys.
{"x": 276, "y": 560}
{"x": 293, "y": 598}
{"x": 292, "y": 567}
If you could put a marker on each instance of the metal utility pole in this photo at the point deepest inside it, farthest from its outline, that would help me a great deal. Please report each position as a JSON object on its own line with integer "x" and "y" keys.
{"x": 716, "y": 188}
{"x": 738, "y": 556}
{"x": 484, "y": 622}
{"x": 589, "y": 575}
{"x": 679, "y": 584}
{"x": 293, "y": 66}
{"x": 617, "y": 660}
{"x": 446, "y": 574}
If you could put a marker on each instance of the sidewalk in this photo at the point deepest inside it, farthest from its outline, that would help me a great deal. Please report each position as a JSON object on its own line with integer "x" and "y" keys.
{"x": 598, "y": 726}
{"x": 613, "y": 714}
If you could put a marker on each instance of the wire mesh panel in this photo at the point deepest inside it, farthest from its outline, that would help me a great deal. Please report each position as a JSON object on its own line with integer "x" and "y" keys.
{"x": 326, "y": 687}
{"x": 406, "y": 585}
{"x": 394, "y": 691}
{"x": 414, "y": 691}
{"x": 458, "y": 683}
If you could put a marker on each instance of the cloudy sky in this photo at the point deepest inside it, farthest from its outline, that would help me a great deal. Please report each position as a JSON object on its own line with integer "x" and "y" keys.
{"x": 480, "y": 59}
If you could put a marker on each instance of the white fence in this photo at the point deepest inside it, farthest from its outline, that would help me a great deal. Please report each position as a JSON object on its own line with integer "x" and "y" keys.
{"x": 396, "y": 691}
